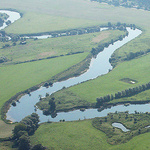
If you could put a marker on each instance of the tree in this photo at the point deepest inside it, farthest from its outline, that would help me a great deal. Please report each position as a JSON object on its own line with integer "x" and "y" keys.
{"x": 31, "y": 123}
{"x": 38, "y": 147}
{"x": 109, "y": 24}
{"x": 52, "y": 105}
{"x": 47, "y": 94}
{"x": 112, "y": 97}
{"x": 112, "y": 41}
{"x": 118, "y": 24}
{"x": 19, "y": 127}
{"x": 24, "y": 142}
{"x": 94, "y": 51}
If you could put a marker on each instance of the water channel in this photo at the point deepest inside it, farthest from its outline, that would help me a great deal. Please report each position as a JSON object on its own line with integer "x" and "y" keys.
{"x": 120, "y": 126}
{"x": 98, "y": 66}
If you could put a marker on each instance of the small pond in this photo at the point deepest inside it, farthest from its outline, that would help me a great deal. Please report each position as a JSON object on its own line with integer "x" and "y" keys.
{"x": 120, "y": 126}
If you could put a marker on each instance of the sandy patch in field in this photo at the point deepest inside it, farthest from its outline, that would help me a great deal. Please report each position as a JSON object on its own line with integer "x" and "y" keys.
{"x": 101, "y": 37}
{"x": 47, "y": 54}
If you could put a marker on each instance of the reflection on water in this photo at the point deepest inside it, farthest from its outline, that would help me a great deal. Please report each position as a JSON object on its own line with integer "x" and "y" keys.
{"x": 120, "y": 126}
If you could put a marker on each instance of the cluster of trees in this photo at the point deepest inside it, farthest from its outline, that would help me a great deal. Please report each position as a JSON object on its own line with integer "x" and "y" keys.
{"x": 46, "y": 84}
{"x": 51, "y": 108}
{"x": 126, "y": 93}
{"x": 120, "y": 26}
{"x": 139, "y": 4}
{"x": 132, "y": 55}
{"x": 3, "y": 59}
{"x": 1, "y": 22}
{"x": 79, "y": 31}
{"x": 129, "y": 56}
{"x": 3, "y": 17}
{"x": 101, "y": 47}
{"x": 23, "y": 130}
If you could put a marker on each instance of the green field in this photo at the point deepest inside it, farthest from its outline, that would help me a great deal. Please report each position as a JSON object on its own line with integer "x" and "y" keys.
{"x": 37, "y": 49}
{"x": 5, "y": 129}
{"x": 82, "y": 135}
{"x": 36, "y": 22}
{"x": 135, "y": 124}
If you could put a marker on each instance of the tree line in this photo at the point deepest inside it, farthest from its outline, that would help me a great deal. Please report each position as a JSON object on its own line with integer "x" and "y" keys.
{"x": 51, "y": 110}
{"x": 119, "y": 26}
{"x": 139, "y": 4}
{"x": 128, "y": 57}
{"x": 23, "y": 130}
{"x": 126, "y": 93}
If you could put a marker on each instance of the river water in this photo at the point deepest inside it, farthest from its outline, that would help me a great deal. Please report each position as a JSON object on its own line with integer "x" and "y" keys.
{"x": 98, "y": 66}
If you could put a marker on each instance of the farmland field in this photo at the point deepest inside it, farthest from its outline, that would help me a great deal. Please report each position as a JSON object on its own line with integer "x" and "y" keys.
{"x": 43, "y": 48}
{"x": 82, "y": 135}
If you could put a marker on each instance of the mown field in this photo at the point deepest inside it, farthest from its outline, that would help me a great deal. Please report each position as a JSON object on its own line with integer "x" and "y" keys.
{"x": 83, "y": 12}
{"x": 82, "y": 135}
{"x": 36, "y": 22}
{"x": 42, "y": 48}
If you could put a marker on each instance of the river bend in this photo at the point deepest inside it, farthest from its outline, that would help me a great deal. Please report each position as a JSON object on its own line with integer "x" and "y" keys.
{"x": 98, "y": 66}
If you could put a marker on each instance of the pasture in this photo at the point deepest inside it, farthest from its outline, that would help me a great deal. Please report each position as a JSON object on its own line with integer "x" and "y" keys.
{"x": 43, "y": 48}
{"x": 82, "y": 135}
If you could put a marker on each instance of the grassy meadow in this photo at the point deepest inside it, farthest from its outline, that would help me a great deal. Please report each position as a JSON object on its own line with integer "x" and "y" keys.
{"x": 42, "y": 48}
{"x": 82, "y": 135}
{"x": 84, "y": 13}
{"x": 36, "y": 22}
{"x": 5, "y": 129}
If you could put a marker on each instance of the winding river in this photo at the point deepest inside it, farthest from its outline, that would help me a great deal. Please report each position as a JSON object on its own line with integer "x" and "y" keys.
{"x": 98, "y": 66}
